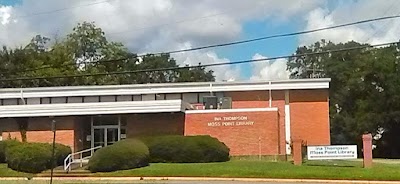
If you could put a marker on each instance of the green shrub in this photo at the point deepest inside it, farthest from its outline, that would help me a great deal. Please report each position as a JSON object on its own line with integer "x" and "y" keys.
{"x": 122, "y": 155}
{"x": 186, "y": 149}
{"x": 60, "y": 153}
{"x": 29, "y": 157}
{"x": 3, "y": 148}
{"x": 2, "y": 152}
{"x": 33, "y": 157}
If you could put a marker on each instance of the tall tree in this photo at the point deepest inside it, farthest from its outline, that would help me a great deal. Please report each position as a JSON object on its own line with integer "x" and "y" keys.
{"x": 363, "y": 91}
{"x": 86, "y": 50}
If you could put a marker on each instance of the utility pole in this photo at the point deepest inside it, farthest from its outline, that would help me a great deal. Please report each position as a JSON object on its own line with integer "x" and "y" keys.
{"x": 53, "y": 128}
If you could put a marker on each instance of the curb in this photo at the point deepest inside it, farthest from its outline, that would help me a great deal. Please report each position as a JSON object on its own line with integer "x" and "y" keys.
{"x": 199, "y": 179}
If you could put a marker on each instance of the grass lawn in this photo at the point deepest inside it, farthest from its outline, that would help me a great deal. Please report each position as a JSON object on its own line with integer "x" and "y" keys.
{"x": 259, "y": 169}
{"x": 6, "y": 172}
{"x": 264, "y": 169}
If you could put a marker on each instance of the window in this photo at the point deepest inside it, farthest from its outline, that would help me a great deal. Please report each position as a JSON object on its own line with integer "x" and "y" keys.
{"x": 202, "y": 95}
{"x": 137, "y": 98}
{"x": 107, "y": 98}
{"x": 57, "y": 100}
{"x": 75, "y": 99}
{"x": 45, "y": 100}
{"x": 30, "y": 101}
{"x": 148, "y": 97}
{"x": 89, "y": 99}
{"x": 124, "y": 98}
{"x": 160, "y": 96}
{"x": 10, "y": 102}
{"x": 190, "y": 97}
{"x": 173, "y": 96}
{"x": 105, "y": 120}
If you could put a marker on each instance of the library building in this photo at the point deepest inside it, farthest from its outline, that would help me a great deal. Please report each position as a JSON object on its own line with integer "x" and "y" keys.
{"x": 251, "y": 118}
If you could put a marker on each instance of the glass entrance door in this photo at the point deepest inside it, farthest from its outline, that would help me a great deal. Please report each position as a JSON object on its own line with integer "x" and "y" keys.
{"x": 105, "y": 136}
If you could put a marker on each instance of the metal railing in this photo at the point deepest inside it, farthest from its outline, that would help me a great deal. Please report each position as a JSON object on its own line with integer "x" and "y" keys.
{"x": 71, "y": 158}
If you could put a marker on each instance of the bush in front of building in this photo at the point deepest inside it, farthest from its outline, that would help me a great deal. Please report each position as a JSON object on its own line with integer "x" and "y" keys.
{"x": 122, "y": 155}
{"x": 33, "y": 157}
{"x": 2, "y": 152}
{"x": 60, "y": 153}
{"x": 186, "y": 149}
{"x": 3, "y": 148}
{"x": 29, "y": 157}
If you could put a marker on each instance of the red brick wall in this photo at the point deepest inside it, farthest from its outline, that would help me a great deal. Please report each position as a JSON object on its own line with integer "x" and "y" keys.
{"x": 39, "y": 130}
{"x": 155, "y": 124}
{"x": 309, "y": 115}
{"x": 244, "y": 139}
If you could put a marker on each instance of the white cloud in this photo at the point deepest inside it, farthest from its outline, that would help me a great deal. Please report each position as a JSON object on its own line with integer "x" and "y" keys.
{"x": 270, "y": 69}
{"x": 150, "y": 25}
{"x": 352, "y": 11}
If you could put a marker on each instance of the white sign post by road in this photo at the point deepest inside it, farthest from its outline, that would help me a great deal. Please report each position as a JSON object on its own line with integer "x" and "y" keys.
{"x": 332, "y": 152}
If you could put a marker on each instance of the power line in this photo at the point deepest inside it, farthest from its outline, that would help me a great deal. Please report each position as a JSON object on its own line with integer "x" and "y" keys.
{"x": 206, "y": 65}
{"x": 283, "y": 35}
{"x": 61, "y": 9}
{"x": 225, "y": 44}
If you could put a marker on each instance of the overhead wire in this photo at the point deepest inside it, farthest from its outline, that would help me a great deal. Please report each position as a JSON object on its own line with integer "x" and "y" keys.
{"x": 228, "y": 43}
{"x": 205, "y": 65}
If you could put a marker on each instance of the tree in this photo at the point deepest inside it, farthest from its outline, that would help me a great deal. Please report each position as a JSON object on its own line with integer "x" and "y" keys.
{"x": 86, "y": 50}
{"x": 363, "y": 92}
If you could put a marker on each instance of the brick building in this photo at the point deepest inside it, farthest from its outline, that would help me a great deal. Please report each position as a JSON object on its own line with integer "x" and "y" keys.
{"x": 251, "y": 118}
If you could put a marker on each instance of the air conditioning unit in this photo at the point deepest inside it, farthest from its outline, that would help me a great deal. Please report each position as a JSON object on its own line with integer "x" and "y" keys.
{"x": 226, "y": 103}
{"x": 210, "y": 102}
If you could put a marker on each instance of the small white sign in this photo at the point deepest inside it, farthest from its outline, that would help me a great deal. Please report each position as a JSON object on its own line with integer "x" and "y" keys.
{"x": 332, "y": 152}
{"x": 123, "y": 136}
{"x": 88, "y": 138}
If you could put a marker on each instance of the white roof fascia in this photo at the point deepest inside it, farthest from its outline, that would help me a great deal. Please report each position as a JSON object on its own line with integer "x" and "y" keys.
{"x": 72, "y": 109}
{"x": 137, "y": 89}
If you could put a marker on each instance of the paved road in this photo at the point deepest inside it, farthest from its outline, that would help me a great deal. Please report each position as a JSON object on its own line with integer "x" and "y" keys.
{"x": 152, "y": 182}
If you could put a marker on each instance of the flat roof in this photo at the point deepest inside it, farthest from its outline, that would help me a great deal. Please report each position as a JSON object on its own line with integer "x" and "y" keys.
{"x": 75, "y": 109}
{"x": 158, "y": 88}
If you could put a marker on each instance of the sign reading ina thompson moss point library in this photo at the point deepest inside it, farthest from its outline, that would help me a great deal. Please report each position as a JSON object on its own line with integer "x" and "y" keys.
{"x": 230, "y": 121}
{"x": 332, "y": 152}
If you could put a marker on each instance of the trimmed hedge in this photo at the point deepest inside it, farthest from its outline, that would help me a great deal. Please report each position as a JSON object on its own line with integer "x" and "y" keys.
{"x": 34, "y": 157}
{"x": 186, "y": 149}
{"x": 122, "y": 155}
{"x": 2, "y": 152}
{"x": 3, "y": 148}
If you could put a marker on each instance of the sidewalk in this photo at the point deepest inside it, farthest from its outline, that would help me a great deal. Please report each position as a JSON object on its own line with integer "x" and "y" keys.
{"x": 116, "y": 179}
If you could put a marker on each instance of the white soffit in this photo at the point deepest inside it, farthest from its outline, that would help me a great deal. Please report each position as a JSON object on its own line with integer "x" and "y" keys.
{"x": 137, "y": 89}
{"x": 72, "y": 109}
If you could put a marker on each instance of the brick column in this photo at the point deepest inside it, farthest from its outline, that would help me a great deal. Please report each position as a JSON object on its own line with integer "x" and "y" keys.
{"x": 367, "y": 150}
{"x": 297, "y": 151}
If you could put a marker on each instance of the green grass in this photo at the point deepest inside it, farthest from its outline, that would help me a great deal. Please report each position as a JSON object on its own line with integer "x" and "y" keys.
{"x": 263, "y": 169}
{"x": 6, "y": 172}
{"x": 351, "y": 170}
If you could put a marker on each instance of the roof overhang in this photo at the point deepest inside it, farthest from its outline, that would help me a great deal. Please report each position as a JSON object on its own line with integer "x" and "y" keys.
{"x": 76, "y": 109}
{"x": 165, "y": 88}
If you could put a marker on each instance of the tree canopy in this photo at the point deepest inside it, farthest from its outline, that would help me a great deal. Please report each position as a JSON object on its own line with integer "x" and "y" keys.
{"x": 363, "y": 92}
{"x": 86, "y": 50}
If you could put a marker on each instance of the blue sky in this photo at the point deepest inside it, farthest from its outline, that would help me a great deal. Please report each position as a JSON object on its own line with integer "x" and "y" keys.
{"x": 250, "y": 19}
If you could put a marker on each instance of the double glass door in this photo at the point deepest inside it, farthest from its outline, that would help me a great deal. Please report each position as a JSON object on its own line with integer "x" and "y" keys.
{"x": 105, "y": 136}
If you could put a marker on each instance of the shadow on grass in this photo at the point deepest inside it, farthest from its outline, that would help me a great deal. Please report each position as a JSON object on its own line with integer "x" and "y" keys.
{"x": 320, "y": 165}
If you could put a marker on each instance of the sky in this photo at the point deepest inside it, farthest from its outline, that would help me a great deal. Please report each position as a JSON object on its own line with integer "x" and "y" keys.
{"x": 146, "y": 26}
